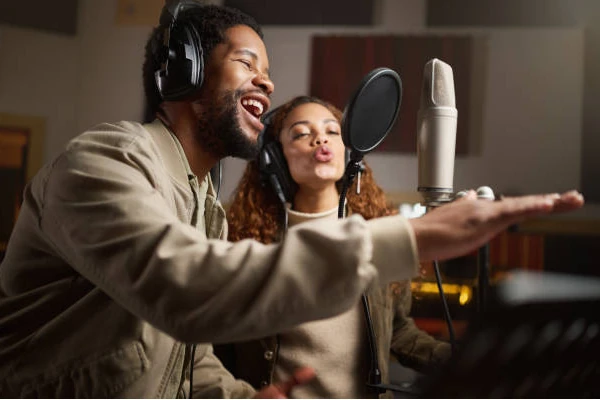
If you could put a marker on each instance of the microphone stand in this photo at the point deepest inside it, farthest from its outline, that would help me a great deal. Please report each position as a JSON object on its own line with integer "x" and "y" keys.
{"x": 483, "y": 269}
{"x": 374, "y": 383}
{"x": 483, "y": 260}
{"x": 352, "y": 169}
{"x": 433, "y": 200}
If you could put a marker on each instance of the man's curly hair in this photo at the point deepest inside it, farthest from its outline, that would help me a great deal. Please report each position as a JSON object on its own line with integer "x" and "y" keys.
{"x": 255, "y": 211}
{"x": 211, "y": 22}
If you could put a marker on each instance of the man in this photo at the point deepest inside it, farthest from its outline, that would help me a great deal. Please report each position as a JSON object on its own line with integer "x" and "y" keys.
{"x": 117, "y": 263}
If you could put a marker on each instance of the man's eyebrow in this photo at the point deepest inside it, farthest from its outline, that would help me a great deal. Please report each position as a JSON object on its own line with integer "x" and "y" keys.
{"x": 251, "y": 54}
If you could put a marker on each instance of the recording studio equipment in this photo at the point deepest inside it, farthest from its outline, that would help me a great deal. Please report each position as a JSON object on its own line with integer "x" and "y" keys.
{"x": 436, "y": 143}
{"x": 436, "y": 133}
{"x": 272, "y": 164}
{"x": 368, "y": 118}
{"x": 539, "y": 338}
{"x": 483, "y": 258}
{"x": 179, "y": 52}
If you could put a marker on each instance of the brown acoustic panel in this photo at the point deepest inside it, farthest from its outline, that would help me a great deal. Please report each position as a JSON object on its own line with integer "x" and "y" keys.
{"x": 339, "y": 63}
{"x": 307, "y": 12}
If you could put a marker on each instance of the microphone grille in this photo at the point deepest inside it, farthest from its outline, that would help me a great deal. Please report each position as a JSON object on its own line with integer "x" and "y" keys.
{"x": 438, "y": 85}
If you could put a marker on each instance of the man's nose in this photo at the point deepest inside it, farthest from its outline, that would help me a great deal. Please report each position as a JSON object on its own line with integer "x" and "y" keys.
{"x": 264, "y": 82}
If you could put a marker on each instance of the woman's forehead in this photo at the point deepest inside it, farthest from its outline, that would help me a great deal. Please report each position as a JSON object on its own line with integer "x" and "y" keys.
{"x": 309, "y": 112}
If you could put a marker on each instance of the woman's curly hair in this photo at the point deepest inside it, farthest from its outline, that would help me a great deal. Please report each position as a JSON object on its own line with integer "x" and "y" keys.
{"x": 255, "y": 211}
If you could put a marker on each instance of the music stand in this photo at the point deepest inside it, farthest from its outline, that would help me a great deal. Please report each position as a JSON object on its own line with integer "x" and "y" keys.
{"x": 540, "y": 338}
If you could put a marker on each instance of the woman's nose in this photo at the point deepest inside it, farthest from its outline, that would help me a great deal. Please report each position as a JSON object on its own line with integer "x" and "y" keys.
{"x": 321, "y": 139}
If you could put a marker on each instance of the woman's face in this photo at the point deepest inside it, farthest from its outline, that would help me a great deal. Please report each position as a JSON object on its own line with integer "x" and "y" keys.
{"x": 312, "y": 145}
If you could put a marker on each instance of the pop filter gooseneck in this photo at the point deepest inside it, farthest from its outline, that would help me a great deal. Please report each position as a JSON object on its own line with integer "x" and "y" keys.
{"x": 367, "y": 119}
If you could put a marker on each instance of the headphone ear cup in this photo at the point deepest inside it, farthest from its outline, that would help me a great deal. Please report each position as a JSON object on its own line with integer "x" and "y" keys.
{"x": 274, "y": 170}
{"x": 184, "y": 70}
{"x": 272, "y": 166}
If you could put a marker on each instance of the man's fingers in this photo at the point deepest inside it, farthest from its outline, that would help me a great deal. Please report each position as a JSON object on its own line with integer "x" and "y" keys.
{"x": 529, "y": 205}
{"x": 569, "y": 201}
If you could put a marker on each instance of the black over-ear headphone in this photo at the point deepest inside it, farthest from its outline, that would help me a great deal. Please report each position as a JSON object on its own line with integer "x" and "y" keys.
{"x": 272, "y": 165}
{"x": 180, "y": 53}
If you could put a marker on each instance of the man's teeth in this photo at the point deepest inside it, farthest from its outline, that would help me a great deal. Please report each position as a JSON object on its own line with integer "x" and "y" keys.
{"x": 254, "y": 103}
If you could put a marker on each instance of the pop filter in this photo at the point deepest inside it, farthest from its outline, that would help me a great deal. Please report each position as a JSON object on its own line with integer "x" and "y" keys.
{"x": 372, "y": 111}
{"x": 367, "y": 119}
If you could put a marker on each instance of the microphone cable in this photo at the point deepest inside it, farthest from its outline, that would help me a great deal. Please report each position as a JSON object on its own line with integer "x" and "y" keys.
{"x": 446, "y": 309}
{"x": 192, "y": 355}
{"x": 216, "y": 176}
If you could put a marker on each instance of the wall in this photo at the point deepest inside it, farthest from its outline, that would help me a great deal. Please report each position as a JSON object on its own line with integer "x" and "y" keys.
{"x": 528, "y": 139}
{"x": 39, "y": 76}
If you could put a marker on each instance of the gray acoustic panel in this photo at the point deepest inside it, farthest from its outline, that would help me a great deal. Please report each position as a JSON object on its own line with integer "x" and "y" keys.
{"x": 308, "y": 12}
{"x": 59, "y": 16}
{"x": 506, "y": 12}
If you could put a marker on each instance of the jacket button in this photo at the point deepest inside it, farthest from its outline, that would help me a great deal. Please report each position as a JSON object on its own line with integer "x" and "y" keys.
{"x": 268, "y": 355}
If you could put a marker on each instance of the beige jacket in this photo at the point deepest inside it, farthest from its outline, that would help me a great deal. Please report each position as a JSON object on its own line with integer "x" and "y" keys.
{"x": 105, "y": 274}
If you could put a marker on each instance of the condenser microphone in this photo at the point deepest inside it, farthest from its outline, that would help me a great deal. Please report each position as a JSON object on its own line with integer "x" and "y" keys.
{"x": 436, "y": 134}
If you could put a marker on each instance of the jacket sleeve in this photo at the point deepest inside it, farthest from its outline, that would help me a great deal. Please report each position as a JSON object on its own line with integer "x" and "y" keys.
{"x": 212, "y": 381}
{"x": 105, "y": 214}
{"x": 413, "y": 347}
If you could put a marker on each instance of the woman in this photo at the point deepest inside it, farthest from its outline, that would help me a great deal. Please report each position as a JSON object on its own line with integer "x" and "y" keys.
{"x": 309, "y": 133}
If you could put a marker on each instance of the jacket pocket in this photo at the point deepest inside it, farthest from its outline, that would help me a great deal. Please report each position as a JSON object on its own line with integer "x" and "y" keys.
{"x": 99, "y": 376}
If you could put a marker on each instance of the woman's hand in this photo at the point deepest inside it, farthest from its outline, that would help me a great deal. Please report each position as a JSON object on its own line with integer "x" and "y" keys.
{"x": 282, "y": 390}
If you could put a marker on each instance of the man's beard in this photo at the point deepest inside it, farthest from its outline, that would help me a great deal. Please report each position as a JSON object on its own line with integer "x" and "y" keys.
{"x": 220, "y": 132}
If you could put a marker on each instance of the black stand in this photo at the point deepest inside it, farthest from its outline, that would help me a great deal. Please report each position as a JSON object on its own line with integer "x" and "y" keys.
{"x": 483, "y": 276}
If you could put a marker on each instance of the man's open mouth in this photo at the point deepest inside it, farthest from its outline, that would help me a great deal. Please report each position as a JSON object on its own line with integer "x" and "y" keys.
{"x": 254, "y": 106}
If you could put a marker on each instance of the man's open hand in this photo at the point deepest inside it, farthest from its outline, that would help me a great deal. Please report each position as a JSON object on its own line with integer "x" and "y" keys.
{"x": 464, "y": 225}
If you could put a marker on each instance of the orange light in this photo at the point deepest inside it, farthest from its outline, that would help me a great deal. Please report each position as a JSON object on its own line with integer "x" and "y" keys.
{"x": 464, "y": 292}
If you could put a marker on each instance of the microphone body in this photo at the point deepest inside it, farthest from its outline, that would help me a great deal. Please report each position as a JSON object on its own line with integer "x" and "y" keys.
{"x": 436, "y": 134}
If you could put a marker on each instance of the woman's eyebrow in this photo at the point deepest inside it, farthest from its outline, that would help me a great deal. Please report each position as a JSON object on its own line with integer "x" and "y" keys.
{"x": 305, "y": 122}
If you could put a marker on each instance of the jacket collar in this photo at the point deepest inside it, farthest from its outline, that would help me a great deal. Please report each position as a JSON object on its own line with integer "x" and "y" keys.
{"x": 170, "y": 151}
{"x": 173, "y": 155}
{"x": 178, "y": 167}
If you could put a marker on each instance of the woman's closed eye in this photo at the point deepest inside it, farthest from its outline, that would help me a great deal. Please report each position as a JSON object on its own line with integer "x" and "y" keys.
{"x": 300, "y": 135}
